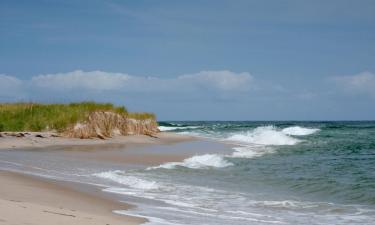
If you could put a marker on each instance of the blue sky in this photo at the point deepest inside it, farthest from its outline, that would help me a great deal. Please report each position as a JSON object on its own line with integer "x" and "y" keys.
{"x": 194, "y": 60}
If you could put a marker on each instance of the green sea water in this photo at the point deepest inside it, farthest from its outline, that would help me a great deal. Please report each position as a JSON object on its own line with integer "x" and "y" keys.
{"x": 334, "y": 163}
{"x": 289, "y": 172}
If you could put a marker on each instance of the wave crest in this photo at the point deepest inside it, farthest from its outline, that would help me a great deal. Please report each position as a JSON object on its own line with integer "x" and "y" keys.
{"x": 131, "y": 181}
{"x": 198, "y": 162}
{"x": 299, "y": 131}
{"x": 264, "y": 135}
{"x": 167, "y": 128}
{"x": 251, "y": 151}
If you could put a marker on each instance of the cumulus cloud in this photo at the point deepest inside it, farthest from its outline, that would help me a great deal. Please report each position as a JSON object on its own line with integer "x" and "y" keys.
{"x": 95, "y": 80}
{"x": 8, "y": 81}
{"x": 10, "y": 87}
{"x": 99, "y": 80}
{"x": 88, "y": 84}
{"x": 362, "y": 83}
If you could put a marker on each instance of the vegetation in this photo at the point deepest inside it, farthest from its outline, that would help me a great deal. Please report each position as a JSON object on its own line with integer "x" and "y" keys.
{"x": 40, "y": 117}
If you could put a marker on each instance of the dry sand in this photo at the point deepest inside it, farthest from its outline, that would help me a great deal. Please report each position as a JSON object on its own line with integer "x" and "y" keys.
{"x": 9, "y": 140}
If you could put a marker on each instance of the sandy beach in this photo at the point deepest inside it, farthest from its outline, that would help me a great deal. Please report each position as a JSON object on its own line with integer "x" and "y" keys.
{"x": 9, "y": 140}
{"x": 26, "y": 199}
{"x": 31, "y": 200}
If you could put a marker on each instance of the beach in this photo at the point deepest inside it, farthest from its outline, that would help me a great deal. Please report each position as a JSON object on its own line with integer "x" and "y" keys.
{"x": 31, "y": 199}
{"x": 208, "y": 172}
{"x": 187, "y": 112}
{"x": 9, "y": 140}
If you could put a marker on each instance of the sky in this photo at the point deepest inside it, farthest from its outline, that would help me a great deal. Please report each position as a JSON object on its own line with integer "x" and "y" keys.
{"x": 194, "y": 60}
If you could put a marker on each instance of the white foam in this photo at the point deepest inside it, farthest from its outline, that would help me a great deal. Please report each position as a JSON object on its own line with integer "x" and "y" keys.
{"x": 152, "y": 220}
{"x": 198, "y": 162}
{"x": 265, "y": 135}
{"x": 291, "y": 204}
{"x": 187, "y": 204}
{"x": 165, "y": 128}
{"x": 134, "y": 182}
{"x": 299, "y": 131}
{"x": 251, "y": 151}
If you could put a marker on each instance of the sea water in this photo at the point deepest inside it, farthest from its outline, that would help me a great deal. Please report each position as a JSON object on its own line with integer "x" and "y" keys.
{"x": 270, "y": 173}
{"x": 276, "y": 173}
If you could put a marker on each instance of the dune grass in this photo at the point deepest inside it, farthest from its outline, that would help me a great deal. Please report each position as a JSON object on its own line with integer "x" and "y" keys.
{"x": 41, "y": 117}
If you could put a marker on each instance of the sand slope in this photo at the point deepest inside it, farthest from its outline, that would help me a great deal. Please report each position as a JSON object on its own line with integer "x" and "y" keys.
{"x": 9, "y": 140}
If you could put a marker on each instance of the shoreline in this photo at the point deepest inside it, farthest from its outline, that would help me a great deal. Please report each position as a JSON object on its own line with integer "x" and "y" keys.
{"x": 26, "y": 198}
{"x": 216, "y": 182}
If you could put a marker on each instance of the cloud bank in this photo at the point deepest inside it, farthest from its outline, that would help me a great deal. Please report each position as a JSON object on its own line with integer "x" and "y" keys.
{"x": 106, "y": 81}
{"x": 87, "y": 85}
{"x": 203, "y": 95}
{"x": 95, "y": 80}
{"x": 10, "y": 87}
{"x": 81, "y": 83}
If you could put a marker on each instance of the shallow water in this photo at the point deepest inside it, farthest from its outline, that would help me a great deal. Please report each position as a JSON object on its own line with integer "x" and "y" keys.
{"x": 271, "y": 173}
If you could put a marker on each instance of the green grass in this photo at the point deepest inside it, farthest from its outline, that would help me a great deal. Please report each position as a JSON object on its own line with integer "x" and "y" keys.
{"x": 40, "y": 117}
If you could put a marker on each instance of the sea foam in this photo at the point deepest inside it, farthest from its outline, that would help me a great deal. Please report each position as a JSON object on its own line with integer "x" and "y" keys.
{"x": 166, "y": 128}
{"x": 264, "y": 135}
{"x": 198, "y": 162}
{"x": 251, "y": 151}
{"x": 299, "y": 131}
{"x": 131, "y": 181}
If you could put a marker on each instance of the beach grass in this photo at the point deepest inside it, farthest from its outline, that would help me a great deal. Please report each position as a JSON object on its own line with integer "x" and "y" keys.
{"x": 42, "y": 117}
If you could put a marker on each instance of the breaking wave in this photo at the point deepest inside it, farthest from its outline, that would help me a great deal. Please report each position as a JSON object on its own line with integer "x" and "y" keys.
{"x": 131, "y": 181}
{"x": 264, "y": 135}
{"x": 254, "y": 143}
{"x": 299, "y": 131}
{"x": 167, "y": 128}
{"x": 251, "y": 151}
{"x": 198, "y": 162}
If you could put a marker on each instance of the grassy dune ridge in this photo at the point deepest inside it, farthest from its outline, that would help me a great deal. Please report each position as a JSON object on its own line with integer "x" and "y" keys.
{"x": 42, "y": 117}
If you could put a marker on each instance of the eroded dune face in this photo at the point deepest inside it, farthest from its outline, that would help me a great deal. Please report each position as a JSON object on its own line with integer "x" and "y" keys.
{"x": 104, "y": 124}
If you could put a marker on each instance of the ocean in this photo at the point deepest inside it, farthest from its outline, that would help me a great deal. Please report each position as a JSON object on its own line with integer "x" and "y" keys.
{"x": 270, "y": 172}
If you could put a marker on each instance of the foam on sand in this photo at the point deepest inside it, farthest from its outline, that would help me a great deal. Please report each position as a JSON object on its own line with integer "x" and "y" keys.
{"x": 131, "y": 181}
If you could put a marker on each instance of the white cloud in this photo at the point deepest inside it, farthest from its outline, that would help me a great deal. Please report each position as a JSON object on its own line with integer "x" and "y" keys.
{"x": 8, "y": 81}
{"x": 105, "y": 81}
{"x": 10, "y": 87}
{"x": 363, "y": 83}
{"x": 80, "y": 84}
{"x": 95, "y": 80}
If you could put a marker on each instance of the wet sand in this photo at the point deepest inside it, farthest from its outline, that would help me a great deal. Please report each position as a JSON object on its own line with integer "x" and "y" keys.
{"x": 32, "y": 200}
{"x": 26, "y": 199}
